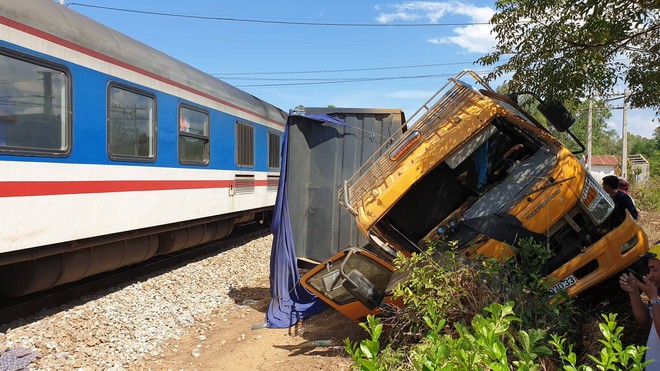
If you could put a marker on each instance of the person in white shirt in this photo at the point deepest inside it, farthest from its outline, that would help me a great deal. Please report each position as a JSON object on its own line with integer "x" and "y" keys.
{"x": 647, "y": 316}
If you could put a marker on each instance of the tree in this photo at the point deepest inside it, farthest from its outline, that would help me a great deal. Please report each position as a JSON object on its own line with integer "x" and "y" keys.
{"x": 640, "y": 145}
{"x": 649, "y": 148}
{"x": 563, "y": 50}
{"x": 299, "y": 109}
{"x": 604, "y": 141}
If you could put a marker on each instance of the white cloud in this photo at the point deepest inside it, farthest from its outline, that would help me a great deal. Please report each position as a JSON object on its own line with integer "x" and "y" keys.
{"x": 640, "y": 121}
{"x": 417, "y": 10}
{"x": 473, "y": 38}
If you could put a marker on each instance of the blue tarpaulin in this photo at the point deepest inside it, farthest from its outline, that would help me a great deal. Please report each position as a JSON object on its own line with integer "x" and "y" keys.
{"x": 290, "y": 301}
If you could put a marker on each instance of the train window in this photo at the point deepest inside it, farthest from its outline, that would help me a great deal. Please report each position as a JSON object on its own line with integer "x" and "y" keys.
{"x": 273, "y": 150}
{"x": 34, "y": 107}
{"x": 193, "y": 136}
{"x": 244, "y": 144}
{"x": 131, "y": 124}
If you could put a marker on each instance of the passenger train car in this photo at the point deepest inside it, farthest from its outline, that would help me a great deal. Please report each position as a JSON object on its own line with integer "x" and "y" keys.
{"x": 112, "y": 152}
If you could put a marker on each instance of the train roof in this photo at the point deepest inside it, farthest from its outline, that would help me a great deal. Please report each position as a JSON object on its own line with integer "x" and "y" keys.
{"x": 62, "y": 22}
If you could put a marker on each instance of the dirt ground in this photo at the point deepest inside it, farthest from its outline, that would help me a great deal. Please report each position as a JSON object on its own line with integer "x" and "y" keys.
{"x": 650, "y": 221}
{"x": 228, "y": 342}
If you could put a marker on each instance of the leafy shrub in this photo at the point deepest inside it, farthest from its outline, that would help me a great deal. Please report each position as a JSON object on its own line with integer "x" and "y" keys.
{"x": 443, "y": 292}
{"x": 459, "y": 288}
{"x": 647, "y": 195}
{"x": 490, "y": 343}
{"x": 612, "y": 356}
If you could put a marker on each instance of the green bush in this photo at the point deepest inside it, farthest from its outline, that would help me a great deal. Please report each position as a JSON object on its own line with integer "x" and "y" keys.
{"x": 647, "y": 195}
{"x": 490, "y": 343}
{"x": 459, "y": 288}
{"x": 612, "y": 356}
{"x": 443, "y": 292}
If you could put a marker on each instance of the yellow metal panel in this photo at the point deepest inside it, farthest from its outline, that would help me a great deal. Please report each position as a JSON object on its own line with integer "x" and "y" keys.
{"x": 606, "y": 252}
{"x": 433, "y": 149}
{"x": 540, "y": 210}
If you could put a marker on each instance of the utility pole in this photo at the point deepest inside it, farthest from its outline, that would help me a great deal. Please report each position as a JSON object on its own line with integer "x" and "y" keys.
{"x": 589, "y": 128}
{"x": 624, "y": 136}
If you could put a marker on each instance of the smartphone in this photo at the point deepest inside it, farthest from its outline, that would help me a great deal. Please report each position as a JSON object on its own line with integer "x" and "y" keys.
{"x": 635, "y": 273}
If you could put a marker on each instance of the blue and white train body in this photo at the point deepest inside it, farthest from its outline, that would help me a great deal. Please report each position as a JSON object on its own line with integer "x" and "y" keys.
{"x": 112, "y": 152}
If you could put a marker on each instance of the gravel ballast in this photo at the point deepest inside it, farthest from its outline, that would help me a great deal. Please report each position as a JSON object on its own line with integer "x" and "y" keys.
{"x": 114, "y": 328}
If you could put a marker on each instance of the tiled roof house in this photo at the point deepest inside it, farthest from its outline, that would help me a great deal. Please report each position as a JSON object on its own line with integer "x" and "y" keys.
{"x": 602, "y": 165}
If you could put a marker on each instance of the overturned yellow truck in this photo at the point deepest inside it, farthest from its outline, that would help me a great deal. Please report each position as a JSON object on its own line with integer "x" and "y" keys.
{"x": 477, "y": 169}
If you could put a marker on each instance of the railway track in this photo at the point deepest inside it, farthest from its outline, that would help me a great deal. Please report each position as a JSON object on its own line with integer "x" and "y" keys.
{"x": 14, "y": 308}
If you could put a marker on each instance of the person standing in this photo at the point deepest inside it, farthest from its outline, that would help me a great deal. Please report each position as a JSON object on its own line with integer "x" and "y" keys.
{"x": 647, "y": 316}
{"x": 622, "y": 202}
{"x": 624, "y": 186}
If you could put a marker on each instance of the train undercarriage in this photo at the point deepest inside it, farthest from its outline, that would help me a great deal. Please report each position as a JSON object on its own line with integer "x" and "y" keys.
{"x": 27, "y": 271}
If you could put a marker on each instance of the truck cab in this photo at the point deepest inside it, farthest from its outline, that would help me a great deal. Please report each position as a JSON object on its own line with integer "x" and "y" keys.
{"x": 477, "y": 169}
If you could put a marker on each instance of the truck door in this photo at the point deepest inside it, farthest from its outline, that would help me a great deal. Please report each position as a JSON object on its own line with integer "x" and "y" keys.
{"x": 354, "y": 282}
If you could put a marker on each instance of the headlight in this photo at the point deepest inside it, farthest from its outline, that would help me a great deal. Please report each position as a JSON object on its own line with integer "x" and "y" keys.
{"x": 596, "y": 202}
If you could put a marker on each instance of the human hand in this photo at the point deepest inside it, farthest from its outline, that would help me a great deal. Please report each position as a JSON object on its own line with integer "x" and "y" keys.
{"x": 648, "y": 287}
{"x": 629, "y": 283}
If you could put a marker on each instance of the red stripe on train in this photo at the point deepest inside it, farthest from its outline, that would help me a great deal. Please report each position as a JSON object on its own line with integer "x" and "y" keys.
{"x": 51, "y": 188}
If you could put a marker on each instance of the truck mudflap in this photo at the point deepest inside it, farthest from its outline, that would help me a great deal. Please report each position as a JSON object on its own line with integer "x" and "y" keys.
{"x": 354, "y": 282}
{"x": 616, "y": 251}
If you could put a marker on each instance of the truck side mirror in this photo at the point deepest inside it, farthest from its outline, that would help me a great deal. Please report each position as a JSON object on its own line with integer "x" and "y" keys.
{"x": 557, "y": 115}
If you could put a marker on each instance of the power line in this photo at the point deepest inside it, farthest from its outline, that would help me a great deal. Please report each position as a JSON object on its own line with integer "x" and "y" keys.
{"x": 315, "y": 43}
{"x": 366, "y": 79}
{"x": 266, "y": 42}
{"x": 290, "y": 23}
{"x": 322, "y": 79}
{"x": 336, "y": 89}
{"x": 340, "y": 70}
{"x": 341, "y": 81}
{"x": 284, "y": 79}
{"x": 614, "y": 97}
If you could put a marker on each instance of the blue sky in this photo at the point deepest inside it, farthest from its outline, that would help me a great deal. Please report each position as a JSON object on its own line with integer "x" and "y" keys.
{"x": 405, "y": 65}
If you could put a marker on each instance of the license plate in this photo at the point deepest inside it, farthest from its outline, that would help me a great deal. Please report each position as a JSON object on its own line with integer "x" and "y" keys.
{"x": 563, "y": 284}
